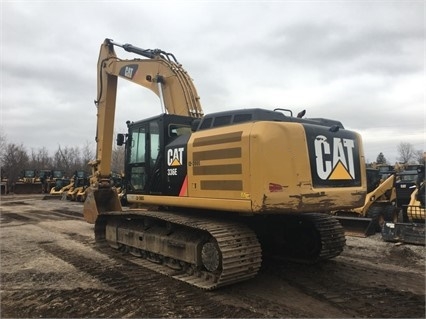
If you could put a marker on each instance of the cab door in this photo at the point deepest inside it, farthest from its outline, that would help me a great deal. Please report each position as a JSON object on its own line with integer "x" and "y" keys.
{"x": 142, "y": 155}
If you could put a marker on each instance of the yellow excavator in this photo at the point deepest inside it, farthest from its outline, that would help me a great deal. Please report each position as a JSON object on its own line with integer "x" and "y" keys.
{"x": 209, "y": 194}
{"x": 379, "y": 206}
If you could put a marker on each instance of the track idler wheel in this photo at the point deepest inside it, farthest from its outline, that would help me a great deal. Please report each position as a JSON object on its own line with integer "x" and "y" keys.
{"x": 210, "y": 256}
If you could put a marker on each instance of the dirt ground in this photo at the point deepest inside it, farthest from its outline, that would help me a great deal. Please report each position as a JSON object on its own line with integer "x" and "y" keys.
{"x": 51, "y": 267}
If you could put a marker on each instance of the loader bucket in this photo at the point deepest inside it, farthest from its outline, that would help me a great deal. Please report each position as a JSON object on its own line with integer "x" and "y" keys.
{"x": 409, "y": 233}
{"x": 49, "y": 197}
{"x": 27, "y": 188}
{"x": 357, "y": 226}
{"x": 99, "y": 201}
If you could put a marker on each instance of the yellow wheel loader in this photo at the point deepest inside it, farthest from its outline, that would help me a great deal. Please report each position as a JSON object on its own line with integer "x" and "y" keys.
{"x": 28, "y": 183}
{"x": 46, "y": 178}
{"x": 49, "y": 178}
{"x": 82, "y": 190}
{"x": 81, "y": 194}
{"x": 62, "y": 185}
{"x": 80, "y": 183}
{"x": 210, "y": 194}
{"x": 379, "y": 206}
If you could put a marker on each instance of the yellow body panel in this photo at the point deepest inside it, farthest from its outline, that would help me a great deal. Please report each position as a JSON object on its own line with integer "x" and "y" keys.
{"x": 415, "y": 210}
{"x": 260, "y": 167}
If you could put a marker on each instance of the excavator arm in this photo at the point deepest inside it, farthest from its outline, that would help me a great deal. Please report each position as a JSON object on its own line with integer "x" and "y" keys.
{"x": 157, "y": 71}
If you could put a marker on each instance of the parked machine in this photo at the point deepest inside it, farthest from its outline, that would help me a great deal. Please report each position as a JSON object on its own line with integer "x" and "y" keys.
{"x": 46, "y": 180}
{"x": 385, "y": 170}
{"x": 28, "y": 183}
{"x": 4, "y": 183}
{"x": 379, "y": 206}
{"x": 210, "y": 194}
{"x": 410, "y": 225}
{"x": 405, "y": 184}
{"x": 80, "y": 183}
{"x": 83, "y": 185}
{"x": 62, "y": 185}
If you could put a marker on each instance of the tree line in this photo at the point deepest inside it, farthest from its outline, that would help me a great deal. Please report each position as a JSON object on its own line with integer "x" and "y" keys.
{"x": 14, "y": 158}
{"x": 407, "y": 154}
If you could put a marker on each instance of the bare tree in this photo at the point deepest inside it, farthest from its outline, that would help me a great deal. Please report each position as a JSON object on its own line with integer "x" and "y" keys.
{"x": 74, "y": 155}
{"x": 88, "y": 154}
{"x": 3, "y": 142}
{"x": 420, "y": 156}
{"x": 40, "y": 159}
{"x": 68, "y": 160}
{"x": 406, "y": 152}
{"x": 14, "y": 159}
{"x": 59, "y": 162}
{"x": 117, "y": 161}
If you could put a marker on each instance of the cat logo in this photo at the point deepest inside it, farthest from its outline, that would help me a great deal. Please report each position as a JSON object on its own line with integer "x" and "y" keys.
{"x": 129, "y": 71}
{"x": 175, "y": 156}
{"x": 335, "y": 160}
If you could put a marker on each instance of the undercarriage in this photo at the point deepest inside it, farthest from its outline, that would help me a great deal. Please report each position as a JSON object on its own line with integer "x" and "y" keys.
{"x": 208, "y": 252}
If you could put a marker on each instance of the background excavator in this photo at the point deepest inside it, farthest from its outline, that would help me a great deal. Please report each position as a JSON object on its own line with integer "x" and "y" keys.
{"x": 210, "y": 194}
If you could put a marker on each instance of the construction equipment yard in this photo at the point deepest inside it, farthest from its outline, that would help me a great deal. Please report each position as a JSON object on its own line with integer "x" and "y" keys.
{"x": 52, "y": 267}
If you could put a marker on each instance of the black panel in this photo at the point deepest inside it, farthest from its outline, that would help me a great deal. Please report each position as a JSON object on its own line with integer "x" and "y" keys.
{"x": 128, "y": 71}
{"x": 162, "y": 168}
{"x": 176, "y": 165}
{"x": 334, "y": 157}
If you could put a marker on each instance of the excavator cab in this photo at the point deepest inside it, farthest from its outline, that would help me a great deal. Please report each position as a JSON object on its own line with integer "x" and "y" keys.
{"x": 152, "y": 145}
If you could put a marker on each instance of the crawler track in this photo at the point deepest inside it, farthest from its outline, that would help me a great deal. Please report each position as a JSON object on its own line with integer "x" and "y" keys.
{"x": 239, "y": 252}
{"x": 332, "y": 236}
{"x": 304, "y": 238}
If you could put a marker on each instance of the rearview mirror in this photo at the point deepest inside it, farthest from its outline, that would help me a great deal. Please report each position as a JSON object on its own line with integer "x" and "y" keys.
{"x": 120, "y": 139}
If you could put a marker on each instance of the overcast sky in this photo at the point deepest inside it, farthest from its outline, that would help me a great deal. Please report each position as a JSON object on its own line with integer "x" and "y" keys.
{"x": 360, "y": 62}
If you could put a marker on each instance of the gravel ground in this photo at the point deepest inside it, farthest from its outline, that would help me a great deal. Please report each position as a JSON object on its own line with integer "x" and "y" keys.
{"x": 51, "y": 267}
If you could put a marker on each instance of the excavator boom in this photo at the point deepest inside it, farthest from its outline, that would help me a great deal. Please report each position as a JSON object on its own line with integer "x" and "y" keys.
{"x": 158, "y": 73}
